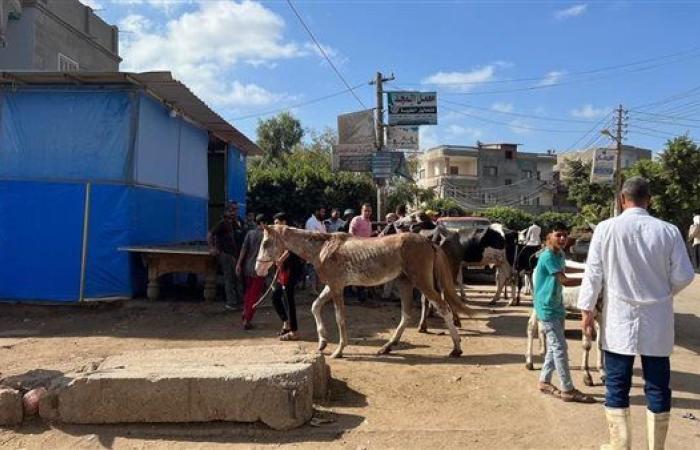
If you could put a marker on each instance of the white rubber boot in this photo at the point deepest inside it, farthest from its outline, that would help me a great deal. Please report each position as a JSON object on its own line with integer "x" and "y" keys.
{"x": 620, "y": 429}
{"x": 657, "y": 427}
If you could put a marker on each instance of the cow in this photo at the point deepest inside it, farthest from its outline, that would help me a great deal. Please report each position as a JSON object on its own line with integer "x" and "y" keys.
{"x": 570, "y": 298}
{"x": 475, "y": 248}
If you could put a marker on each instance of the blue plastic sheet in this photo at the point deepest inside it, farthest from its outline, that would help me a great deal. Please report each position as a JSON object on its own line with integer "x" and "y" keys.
{"x": 64, "y": 135}
{"x": 193, "y": 174}
{"x": 236, "y": 182}
{"x": 41, "y": 228}
{"x": 157, "y": 142}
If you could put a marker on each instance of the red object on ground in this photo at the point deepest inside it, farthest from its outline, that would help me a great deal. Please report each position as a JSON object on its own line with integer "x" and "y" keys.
{"x": 30, "y": 400}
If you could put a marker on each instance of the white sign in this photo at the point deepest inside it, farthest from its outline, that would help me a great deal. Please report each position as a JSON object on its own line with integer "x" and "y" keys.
{"x": 356, "y": 128}
{"x": 402, "y": 138}
{"x": 603, "y": 169}
{"x": 412, "y": 108}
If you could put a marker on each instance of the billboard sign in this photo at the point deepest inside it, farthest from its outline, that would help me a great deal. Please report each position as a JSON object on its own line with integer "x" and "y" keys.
{"x": 356, "y": 128}
{"x": 603, "y": 168}
{"x": 402, "y": 138}
{"x": 412, "y": 108}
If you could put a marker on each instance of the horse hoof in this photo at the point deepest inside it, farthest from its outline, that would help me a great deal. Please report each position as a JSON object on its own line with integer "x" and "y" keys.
{"x": 384, "y": 351}
{"x": 457, "y": 323}
{"x": 337, "y": 355}
{"x": 322, "y": 345}
{"x": 588, "y": 380}
{"x": 529, "y": 366}
{"x": 602, "y": 380}
{"x": 423, "y": 329}
{"x": 456, "y": 353}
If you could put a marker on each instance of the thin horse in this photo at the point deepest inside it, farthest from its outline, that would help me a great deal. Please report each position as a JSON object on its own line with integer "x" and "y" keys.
{"x": 343, "y": 260}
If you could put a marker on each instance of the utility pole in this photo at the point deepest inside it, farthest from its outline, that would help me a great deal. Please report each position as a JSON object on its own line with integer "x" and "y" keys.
{"x": 618, "y": 160}
{"x": 379, "y": 132}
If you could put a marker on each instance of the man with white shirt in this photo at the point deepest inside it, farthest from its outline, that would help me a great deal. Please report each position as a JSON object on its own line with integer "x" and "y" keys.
{"x": 315, "y": 222}
{"x": 642, "y": 263}
{"x": 532, "y": 236}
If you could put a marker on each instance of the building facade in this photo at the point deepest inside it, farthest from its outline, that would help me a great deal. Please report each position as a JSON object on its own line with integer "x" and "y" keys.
{"x": 630, "y": 155}
{"x": 487, "y": 175}
{"x": 57, "y": 35}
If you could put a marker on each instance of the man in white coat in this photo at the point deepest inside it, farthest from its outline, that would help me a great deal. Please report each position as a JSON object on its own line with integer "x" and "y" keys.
{"x": 640, "y": 263}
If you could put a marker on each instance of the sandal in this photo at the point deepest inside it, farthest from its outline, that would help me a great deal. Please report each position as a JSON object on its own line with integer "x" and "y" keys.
{"x": 283, "y": 331}
{"x": 291, "y": 336}
{"x": 550, "y": 389}
{"x": 576, "y": 396}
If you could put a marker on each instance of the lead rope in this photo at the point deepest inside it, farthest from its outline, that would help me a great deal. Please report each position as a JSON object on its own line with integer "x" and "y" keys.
{"x": 269, "y": 289}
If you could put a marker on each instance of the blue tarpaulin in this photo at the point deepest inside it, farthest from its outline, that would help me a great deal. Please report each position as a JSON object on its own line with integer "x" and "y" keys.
{"x": 147, "y": 175}
{"x": 236, "y": 179}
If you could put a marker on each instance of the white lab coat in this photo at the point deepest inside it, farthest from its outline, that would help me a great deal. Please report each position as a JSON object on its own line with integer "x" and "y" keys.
{"x": 642, "y": 263}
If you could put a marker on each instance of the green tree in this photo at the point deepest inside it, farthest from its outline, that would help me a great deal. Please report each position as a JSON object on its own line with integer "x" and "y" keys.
{"x": 512, "y": 218}
{"x": 278, "y": 135}
{"x": 549, "y": 218}
{"x": 675, "y": 181}
{"x": 594, "y": 200}
{"x": 302, "y": 180}
{"x": 407, "y": 192}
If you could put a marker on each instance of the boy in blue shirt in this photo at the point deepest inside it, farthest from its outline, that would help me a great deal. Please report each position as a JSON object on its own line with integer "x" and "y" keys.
{"x": 548, "y": 280}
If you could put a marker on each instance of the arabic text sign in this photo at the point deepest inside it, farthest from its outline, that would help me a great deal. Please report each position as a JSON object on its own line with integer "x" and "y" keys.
{"x": 412, "y": 108}
{"x": 353, "y": 149}
{"x": 403, "y": 138}
{"x": 603, "y": 170}
{"x": 352, "y": 163}
{"x": 389, "y": 164}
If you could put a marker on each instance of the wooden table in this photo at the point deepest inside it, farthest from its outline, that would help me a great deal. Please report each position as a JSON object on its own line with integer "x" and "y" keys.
{"x": 190, "y": 258}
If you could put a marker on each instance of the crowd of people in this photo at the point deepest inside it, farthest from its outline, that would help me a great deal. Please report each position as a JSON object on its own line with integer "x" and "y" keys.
{"x": 235, "y": 243}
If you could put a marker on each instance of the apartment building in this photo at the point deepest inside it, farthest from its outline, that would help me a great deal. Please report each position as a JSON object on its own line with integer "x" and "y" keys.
{"x": 56, "y": 35}
{"x": 490, "y": 174}
{"x": 630, "y": 155}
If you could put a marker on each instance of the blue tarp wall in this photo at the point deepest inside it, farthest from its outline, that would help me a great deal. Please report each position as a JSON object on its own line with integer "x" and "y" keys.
{"x": 112, "y": 156}
{"x": 236, "y": 178}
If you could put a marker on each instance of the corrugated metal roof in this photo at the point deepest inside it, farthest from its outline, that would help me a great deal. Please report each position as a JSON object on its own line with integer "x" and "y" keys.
{"x": 160, "y": 85}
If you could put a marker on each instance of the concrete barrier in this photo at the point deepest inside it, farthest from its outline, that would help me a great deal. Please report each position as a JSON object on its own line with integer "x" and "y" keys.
{"x": 273, "y": 384}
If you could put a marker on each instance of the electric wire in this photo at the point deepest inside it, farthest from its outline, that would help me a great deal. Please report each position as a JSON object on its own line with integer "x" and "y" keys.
{"x": 325, "y": 55}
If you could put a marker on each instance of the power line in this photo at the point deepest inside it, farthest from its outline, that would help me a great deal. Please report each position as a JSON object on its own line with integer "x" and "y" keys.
{"x": 323, "y": 52}
{"x": 571, "y": 74}
{"x": 498, "y": 122}
{"x": 300, "y": 104}
{"x": 563, "y": 83}
{"x": 593, "y": 128}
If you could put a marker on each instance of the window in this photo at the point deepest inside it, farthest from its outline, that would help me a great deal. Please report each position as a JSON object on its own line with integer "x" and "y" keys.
{"x": 509, "y": 181}
{"x": 509, "y": 154}
{"x": 490, "y": 171}
{"x": 421, "y": 174}
{"x": 527, "y": 173}
{"x": 526, "y": 200}
{"x": 488, "y": 198}
{"x": 65, "y": 64}
{"x": 539, "y": 175}
{"x": 537, "y": 201}
{"x": 454, "y": 170}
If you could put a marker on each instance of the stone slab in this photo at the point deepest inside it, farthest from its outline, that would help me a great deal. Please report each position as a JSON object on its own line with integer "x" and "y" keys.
{"x": 11, "y": 412}
{"x": 272, "y": 384}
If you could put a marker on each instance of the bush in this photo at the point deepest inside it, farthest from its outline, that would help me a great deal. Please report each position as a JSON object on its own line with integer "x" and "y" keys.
{"x": 549, "y": 218}
{"x": 512, "y": 218}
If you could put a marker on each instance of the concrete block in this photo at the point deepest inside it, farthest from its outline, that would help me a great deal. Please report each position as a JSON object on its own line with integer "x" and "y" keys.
{"x": 272, "y": 384}
{"x": 11, "y": 412}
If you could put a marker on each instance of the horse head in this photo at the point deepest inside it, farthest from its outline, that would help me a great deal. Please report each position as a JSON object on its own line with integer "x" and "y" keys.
{"x": 271, "y": 248}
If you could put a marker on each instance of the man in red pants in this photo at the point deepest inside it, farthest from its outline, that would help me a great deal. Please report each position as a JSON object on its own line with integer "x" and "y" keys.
{"x": 246, "y": 266}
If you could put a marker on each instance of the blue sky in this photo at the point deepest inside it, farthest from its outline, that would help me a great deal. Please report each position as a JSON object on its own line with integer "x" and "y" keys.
{"x": 245, "y": 58}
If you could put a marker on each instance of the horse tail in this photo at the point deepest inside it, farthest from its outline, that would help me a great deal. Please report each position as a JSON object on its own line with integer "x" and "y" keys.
{"x": 445, "y": 283}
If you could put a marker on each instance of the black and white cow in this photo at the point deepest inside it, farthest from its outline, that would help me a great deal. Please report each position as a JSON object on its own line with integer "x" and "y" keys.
{"x": 475, "y": 248}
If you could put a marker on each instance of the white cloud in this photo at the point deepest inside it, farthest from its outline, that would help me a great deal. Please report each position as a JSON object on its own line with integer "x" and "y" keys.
{"x": 94, "y": 4}
{"x": 458, "y": 131}
{"x": 587, "y": 111}
{"x": 519, "y": 126}
{"x": 203, "y": 47}
{"x": 502, "y": 107}
{"x": 573, "y": 11}
{"x": 462, "y": 81}
{"x": 551, "y": 78}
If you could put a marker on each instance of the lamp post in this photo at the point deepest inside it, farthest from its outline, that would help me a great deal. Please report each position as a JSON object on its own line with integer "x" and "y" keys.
{"x": 618, "y": 169}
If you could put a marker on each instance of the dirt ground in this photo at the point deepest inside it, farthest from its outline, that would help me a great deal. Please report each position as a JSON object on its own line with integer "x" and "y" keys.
{"x": 414, "y": 398}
